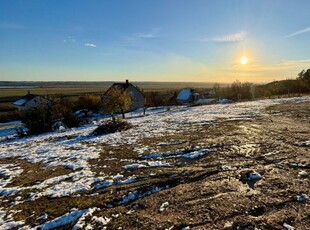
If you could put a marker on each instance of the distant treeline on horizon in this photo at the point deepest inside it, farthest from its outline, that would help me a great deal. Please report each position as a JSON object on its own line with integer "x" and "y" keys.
{"x": 24, "y": 84}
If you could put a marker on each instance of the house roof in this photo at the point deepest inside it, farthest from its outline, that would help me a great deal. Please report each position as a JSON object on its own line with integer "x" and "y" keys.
{"x": 124, "y": 86}
{"x": 184, "y": 94}
{"x": 22, "y": 101}
{"x": 121, "y": 85}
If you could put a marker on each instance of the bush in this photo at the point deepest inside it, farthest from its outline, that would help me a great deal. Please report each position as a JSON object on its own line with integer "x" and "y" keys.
{"x": 9, "y": 116}
{"x": 112, "y": 127}
{"x": 4, "y": 107}
{"x": 63, "y": 111}
{"x": 37, "y": 120}
{"x": 90, "y": 102}
{"x": 70, "y": 120}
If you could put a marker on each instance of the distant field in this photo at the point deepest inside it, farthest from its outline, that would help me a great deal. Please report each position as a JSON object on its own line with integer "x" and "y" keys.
{"x": 10, "y": 91}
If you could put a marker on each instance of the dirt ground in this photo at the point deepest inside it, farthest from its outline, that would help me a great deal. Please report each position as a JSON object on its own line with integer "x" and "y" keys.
{"x": 210, "y": 192}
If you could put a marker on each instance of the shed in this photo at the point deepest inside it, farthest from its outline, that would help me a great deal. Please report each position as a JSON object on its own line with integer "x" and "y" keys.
{"x": 187, "y": 96}
{"x": 31, "y": 101}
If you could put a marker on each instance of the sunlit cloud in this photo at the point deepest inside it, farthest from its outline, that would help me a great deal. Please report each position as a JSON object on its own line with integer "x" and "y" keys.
{"x": 90, "y": 45}
{"x": 228, "y": 38}
{"x": 260, "y": 73}
{"x": 287, "y": 68}
{"x": 236, "y": 37}
{"x": 305, "y": 30}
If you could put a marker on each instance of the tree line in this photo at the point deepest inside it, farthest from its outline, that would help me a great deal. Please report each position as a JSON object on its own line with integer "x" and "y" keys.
{"x": 248, "y": 91}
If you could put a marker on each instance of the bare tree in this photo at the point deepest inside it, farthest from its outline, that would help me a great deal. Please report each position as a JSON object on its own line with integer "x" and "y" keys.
{"x": 217, "y": 90}
{"x": 117, "y": 100}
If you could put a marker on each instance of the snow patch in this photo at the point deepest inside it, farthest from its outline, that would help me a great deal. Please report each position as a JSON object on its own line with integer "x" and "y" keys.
{"x": 195, "y": 154}
{"x": 63, "y": 220}
{"x": 163, "y": 206}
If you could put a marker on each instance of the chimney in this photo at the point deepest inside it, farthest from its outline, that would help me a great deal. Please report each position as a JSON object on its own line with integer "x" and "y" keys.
{"x": 127, "y": 82}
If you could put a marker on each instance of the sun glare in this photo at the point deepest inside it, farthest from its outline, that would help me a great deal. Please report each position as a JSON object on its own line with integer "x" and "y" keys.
{"x": 244, "y": 60}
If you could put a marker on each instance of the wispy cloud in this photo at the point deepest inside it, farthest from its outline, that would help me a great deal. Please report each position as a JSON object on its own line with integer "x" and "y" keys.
{"x": 70, "y": 39}
{"x": 294, "y": 63}
{"x": 90, "y": 45}
{"x": 305, "y": 30}
{"x": 11, "y": 26}
{"x": 228, "y": 38}
{"x": 154, "y": 33}
{"x": 235, "y": 37}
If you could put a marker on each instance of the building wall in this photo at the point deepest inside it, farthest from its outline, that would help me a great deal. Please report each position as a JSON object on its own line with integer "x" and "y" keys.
{"x": 137, "y": 97}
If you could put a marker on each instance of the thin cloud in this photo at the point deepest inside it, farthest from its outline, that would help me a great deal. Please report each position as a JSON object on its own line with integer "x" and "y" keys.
{"x": 90, "y": 45}
{"x": 294, "y": 62}
{"x": 70, "y": 39}
{"x": 305, "y": 30}
{"x": 11, "y": 26}
{"x": 145, "y": 35}
{"x": 154, "y": 33}
{"x": 284, "y": 65}
{"x": 236, "y": 37}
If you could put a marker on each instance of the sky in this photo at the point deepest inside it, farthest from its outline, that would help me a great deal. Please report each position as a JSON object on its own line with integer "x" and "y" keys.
{"x": 154, "y": 40}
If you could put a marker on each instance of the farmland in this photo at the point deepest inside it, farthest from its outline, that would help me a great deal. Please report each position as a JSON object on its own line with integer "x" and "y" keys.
{"x": 241, "y": 165}
{"x": 10, "y": 91}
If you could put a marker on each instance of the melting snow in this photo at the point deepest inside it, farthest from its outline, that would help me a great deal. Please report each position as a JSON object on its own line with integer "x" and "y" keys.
{"x": 254, "y": 176}
{"x": 163, "y": 206}
{"x": 74, "y": 148}
{"x": 195, "y": 154}
{"x": 7, "y": 172}
{"x": 131, "y": 196}
{"x": 303, "y": 198}
{"x": 148, "y": 164}
{"x": 63, "y": 220}
{"x": 6, "y": 220}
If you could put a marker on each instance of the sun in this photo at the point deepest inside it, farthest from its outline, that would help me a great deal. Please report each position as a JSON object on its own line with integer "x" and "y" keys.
{"x": 244, "y": 60}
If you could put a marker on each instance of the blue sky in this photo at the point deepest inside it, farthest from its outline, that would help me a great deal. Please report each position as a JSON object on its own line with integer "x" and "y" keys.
{"x": 158, "y": 40}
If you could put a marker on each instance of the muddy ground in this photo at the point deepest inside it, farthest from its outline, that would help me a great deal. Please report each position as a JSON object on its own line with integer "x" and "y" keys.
{"x": 210, "y": 192}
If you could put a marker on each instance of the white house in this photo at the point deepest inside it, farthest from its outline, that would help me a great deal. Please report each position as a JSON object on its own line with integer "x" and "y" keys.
{"x": 31, "y": 101}
{"x": 187, "y": 96}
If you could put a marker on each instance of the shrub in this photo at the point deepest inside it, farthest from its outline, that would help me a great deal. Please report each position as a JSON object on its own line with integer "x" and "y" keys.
{"x": 7, "y": 107}
{"x": 63, "y": 111}
{"x": 112, "y": 127}
{"x": 90, "y": 102}
{"x": 37, "y": 120}
{"x": 9, "y": 116}
{"x": 70, "y": 120}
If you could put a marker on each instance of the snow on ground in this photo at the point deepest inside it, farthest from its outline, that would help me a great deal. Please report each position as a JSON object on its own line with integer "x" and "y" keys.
{"x": 6, "y": 220}
{"x": 131, "y": 196}
{"x": 147, "y": 164}
{"x": 74, "y": 148}
{"x": 64, "y": 220}
{"x": 8, "y": 129}
{"x": 7, "y": 172}
{"x": 195, "y": 154}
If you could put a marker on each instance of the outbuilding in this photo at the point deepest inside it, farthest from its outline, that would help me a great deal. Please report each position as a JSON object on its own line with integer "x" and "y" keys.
{"x": 32, "y": 101}
{"x": 187, "y": 96}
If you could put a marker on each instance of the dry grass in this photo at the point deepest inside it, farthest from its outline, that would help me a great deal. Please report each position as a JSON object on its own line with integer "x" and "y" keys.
{"x": 200, "y": 194}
